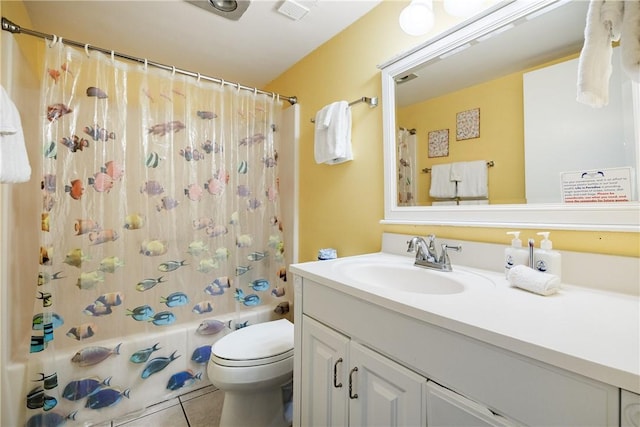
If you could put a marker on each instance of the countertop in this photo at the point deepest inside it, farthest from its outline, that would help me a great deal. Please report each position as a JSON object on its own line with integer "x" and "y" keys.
{"x": 589, "y": 332}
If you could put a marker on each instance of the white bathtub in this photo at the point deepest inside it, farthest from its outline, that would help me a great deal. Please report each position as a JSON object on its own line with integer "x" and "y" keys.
{"x": 181, "y": 339}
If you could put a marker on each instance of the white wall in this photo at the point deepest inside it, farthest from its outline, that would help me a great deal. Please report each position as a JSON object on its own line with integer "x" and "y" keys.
{"x": 562, "y": 135}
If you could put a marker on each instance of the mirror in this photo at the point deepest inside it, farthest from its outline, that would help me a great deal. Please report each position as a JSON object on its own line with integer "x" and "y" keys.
{"x": 464, "y": 76}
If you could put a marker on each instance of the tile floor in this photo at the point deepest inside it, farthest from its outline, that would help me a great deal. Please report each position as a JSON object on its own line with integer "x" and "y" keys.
{"x": 199, "y": 408}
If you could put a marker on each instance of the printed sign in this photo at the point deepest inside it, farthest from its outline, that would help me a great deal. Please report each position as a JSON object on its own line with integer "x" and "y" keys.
{"x": 602, "y": 185}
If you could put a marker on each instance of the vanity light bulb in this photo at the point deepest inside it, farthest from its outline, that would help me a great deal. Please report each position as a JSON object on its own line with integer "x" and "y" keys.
{"x": 417, "y": 18}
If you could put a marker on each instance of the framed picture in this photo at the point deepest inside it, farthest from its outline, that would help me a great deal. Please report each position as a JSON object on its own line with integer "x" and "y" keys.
{"x": 468, "y": 124}
{"x": 439, "y": 143}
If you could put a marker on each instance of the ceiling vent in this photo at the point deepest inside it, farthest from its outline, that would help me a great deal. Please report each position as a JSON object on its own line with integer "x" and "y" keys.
{"x": 230, "y": 9}
{"x": 292, "y": 9}
{"x": 405, "y": 78}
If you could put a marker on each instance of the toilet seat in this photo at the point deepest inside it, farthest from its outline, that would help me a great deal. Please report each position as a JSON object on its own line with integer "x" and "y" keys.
{"x": 255, "y": 345}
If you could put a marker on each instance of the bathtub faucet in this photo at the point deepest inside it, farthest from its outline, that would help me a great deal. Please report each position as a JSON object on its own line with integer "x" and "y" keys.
{"x": 427, "y": 255}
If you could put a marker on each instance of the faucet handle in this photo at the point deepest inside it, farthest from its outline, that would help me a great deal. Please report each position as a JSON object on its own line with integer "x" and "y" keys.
{"x": 444, "y": 256}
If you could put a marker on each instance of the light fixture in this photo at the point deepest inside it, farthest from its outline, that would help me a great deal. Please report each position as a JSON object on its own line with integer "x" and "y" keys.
{"x": 417, "y": 18}
{"x": 229, "y": 9}
{"x": 463, "y": 8}
{"x": 224, "y": 5}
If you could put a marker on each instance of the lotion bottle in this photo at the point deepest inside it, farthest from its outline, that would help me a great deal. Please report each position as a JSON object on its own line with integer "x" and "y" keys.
{"x": 514, "y": 254}
{"x": 545, "y": 259}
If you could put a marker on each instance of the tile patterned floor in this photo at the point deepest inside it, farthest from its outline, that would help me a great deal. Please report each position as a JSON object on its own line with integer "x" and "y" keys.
{"x": 200, "y": 408}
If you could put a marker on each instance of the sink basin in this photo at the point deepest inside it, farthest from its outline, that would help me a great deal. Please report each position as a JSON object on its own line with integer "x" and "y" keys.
{"x": 405, "y": 277}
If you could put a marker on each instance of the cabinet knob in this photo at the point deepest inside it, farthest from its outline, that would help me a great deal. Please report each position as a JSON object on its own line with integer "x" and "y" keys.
{"x": 335, "y": 374}
{"x": 351, "y": 395}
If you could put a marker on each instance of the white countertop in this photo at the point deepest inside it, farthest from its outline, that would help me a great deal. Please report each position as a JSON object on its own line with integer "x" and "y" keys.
{"x": 590, "y": 332}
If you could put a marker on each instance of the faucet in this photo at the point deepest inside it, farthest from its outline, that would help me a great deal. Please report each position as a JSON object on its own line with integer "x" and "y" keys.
{"x": 427, "y": 255}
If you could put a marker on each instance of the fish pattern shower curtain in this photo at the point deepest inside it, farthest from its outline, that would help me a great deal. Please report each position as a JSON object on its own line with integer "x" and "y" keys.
{"x": 160, "y": 210}
{"x": 406, "y": 163}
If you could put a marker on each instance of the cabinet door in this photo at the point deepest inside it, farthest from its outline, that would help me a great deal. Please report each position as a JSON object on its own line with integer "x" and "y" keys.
{"x": 325, "y": 358}
{"x": 629, "y": 409}
{"x": 446, "y": 408}
{"x": 384, "y": 393}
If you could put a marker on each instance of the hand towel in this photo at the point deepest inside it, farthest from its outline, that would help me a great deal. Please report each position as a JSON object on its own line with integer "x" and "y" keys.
{"x": 14, "y": 162}
{"x": 603, "y": 23}
{"x": 332, "y": 143}
{"x": 471, "y": 177}
{"x": 441, "y": 185}
{"x": 630, "y": 43}
{"x": 532, "y": 280}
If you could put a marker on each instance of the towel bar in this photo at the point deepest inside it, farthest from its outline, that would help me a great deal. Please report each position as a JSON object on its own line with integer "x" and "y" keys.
{"x": 490, "y": 164}
{"x": 372, "y": 102}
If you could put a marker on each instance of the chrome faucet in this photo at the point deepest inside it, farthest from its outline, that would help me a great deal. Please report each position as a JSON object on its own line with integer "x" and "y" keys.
{"x": 427, "y": 255}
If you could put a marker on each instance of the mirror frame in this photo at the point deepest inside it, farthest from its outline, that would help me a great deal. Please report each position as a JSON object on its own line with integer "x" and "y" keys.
{"x": 623, "y": 217}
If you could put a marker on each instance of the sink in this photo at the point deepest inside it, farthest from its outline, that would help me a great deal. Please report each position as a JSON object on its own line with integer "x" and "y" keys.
{"x": 406, "y": 277}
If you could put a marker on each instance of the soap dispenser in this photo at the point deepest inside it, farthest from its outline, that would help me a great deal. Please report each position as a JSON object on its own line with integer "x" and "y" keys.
{"x": 514, "y": 254}
{"x": 545, "y": 259}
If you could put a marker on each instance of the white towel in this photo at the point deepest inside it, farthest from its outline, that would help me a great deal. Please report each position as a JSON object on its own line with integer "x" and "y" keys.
{"x": 441, "y": 185}
{"x": 474, "y": 202}
{"x": 14, "y": 163}
{"x": 603, "y": 23}
{"x": 630, "y": 43}
{"x": 443, "y": 203}
{"x": 332, "y": 143}
{"x": 472, "y": 178}
{"x": 532, "y": 280}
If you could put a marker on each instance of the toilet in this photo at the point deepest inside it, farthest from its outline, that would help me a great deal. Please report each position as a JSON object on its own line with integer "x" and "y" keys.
{"x": 251, "y": 365}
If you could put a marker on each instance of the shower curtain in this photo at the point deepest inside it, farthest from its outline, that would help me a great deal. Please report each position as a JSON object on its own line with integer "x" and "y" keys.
{"x": 160, "y": 210}
{"x": 406, "y": 163}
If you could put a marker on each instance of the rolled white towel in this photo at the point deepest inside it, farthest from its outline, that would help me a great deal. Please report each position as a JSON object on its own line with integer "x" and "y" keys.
{"x": 532, "y": 280}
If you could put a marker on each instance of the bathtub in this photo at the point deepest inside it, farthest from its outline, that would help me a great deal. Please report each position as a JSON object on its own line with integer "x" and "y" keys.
{"x": 179, "y": 341}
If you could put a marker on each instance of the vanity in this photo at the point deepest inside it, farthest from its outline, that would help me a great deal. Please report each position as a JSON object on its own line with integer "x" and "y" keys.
{"x": 382, "y": 342}
{"x": 401, "y": 345}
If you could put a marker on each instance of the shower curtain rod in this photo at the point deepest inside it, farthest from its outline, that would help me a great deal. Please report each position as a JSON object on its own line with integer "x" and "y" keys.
{"x": 9, "y": 26}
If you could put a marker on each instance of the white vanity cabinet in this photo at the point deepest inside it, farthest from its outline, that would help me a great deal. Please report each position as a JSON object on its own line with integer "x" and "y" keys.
{"x": 346, "y": 384}
{"x": 629, "y": 409}
{"x": 446, "y": 408}
{"x": 411, "y": 371}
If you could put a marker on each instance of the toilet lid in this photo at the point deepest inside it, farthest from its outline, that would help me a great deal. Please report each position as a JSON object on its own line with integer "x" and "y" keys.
{"x": 252, "y": 344}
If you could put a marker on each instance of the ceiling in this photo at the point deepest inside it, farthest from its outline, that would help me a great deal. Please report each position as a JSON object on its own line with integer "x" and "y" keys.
{"x": 252, "y": 51}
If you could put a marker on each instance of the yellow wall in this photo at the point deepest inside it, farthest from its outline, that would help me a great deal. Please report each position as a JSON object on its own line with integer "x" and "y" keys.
{"x": 501, "y": 138}
{"x": 341, "y": 205}
{"x": 501, "y": 135}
